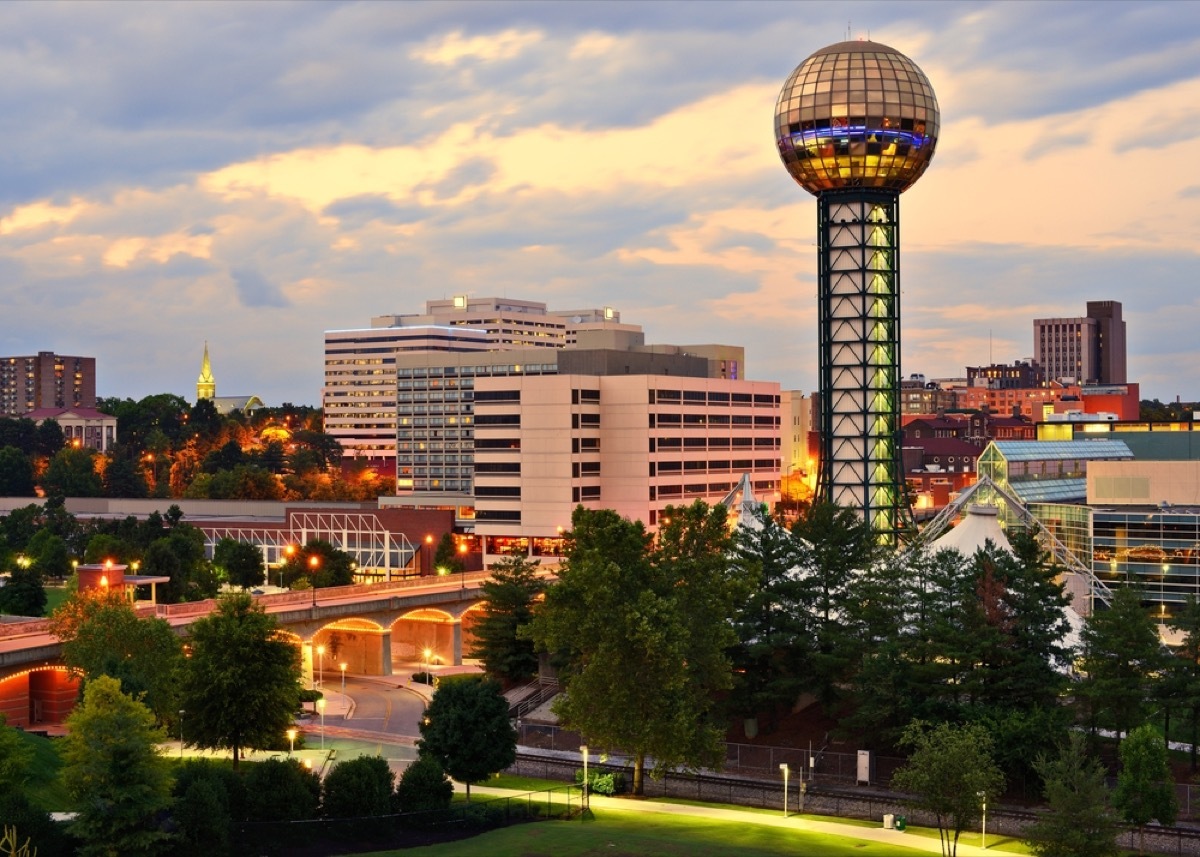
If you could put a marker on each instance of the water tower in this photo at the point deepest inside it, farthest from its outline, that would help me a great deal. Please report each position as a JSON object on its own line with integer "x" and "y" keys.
{"x": 856, "y": 124}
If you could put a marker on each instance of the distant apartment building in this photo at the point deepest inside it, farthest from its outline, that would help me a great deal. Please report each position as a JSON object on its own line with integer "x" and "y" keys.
{"x": 1084, "y": 350}
{"x": 46, "y": 380}
{"x": 635, "y": 443}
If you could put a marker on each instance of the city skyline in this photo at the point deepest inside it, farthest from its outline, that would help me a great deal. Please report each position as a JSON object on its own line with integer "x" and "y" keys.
{"x": 255, "y": 175}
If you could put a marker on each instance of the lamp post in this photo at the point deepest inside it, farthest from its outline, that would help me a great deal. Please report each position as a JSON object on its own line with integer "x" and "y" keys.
{"x": 291, "y": 733}
{"x": 784, "y": 768}
{"x": 314, "y": 562}
{"x": 427, "y": 653}
{"x": 181, "y": 733}
{"x": 583, "y": 749}
{"x": 321, "y": 666}
{"x": 428, "y": 555}
{"x": 343, "y": 667}
{"x": 289, "y": 551}
{"x": 321, "y": 706}
{"x": 983, "y": 832}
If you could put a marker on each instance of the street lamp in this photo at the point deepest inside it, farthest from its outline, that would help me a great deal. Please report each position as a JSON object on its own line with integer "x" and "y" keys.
{"x": 583, "y": 749}
{"x": 983, "y": 832}
{"x": 321, "y": 666}
{"x": 291, "y": 733}
{"x": 428, "y": 654}
{"x": 314, "y": 562}
{"x": 428, "y": 555}
{"x": 343, "y": 666}
{"x": 784, "y": 768}
{"x": 181, "y": 733}
{"x": 321, "y": 706}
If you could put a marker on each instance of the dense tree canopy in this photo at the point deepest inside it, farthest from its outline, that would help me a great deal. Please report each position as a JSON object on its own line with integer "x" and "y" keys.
{"x": 644, "y": 634}
{"x": 509, "y": 597}
{"x": 466, "y": 728}
{"x": 241, "y": 685}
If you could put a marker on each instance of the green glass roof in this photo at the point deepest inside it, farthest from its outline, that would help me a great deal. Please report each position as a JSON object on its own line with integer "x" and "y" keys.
{"x": 1059, "y": 450}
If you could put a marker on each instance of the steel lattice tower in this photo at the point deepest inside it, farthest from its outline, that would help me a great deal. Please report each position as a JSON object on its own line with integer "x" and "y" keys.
{"x": 856, "y": 124}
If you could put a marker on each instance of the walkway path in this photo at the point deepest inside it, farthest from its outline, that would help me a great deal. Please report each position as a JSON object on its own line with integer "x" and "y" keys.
{"x": 794, "y": 822}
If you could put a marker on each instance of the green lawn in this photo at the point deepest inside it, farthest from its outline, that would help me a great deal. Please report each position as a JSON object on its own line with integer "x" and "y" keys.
{"x": 55, "y": 595}
{"x": 634, "y": 834}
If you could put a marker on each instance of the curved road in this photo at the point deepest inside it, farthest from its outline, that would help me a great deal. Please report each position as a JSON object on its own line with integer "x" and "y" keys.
{"x": 381, "y": 705}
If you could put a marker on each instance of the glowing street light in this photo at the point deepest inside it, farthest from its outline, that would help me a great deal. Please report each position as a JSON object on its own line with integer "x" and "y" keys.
{"x": 291, "y": 733}
{"x": 428, "y": 654}
{"x": 784, "y": 768}
{"x": 343, "y": 667}
{"x": 314, "y": 563}
{"x": 428, "y": 555}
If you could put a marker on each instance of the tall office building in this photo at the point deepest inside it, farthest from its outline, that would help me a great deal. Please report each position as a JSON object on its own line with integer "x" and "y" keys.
{"x": 400, "y": 394}
{"x": 1084, "y": 350}
{"x": 46, "y": 380}
{"x": 856, "y": 124}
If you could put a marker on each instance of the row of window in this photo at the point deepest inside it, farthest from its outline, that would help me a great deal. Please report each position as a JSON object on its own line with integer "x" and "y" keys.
{"x": 701, "y": 397}
{"x": 712, "y": 420}
{"x": 739, "y": 465}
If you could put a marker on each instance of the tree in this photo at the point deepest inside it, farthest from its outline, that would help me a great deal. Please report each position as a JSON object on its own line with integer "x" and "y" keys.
{"x": 24, "y": 594}
{"x": 424, "y": 786}
{"x": 114, "y": 773}
{"x": 358, "y": 787}
{"x": 16, "y": 473}
{"x": 1145, "y": 791}
{"x": 15, "y": 758}
{"x": 49, "y": 554}
{"x": 509, "y": 596}
{"x": 951, "y": 772}
{"x": 123, "y": 477}
{"x": 1079, "y": 822}
{"x": 1183, "y": 671}
{"x": 635, "y": 626}
{"x": 445, "y": 558}
{"x": 466, "y": 728}
{"x": 241, "y": 686}
{"x": 318, "y": 564}
{"x": 242, "y": 562}
{"x": 72, "y": 473}
{"x": 835, "y": 545}
{"x": 769, "y": 659}
{"x": 1121, "y": 654}
{"x": 102, "y": 635}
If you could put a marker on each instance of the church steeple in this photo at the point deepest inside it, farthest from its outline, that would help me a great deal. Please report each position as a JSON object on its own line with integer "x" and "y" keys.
{"x": 206, "y": 384}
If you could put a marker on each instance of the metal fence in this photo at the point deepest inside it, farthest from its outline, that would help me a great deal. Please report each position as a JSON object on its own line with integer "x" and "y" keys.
{"x": 745, "y": 759}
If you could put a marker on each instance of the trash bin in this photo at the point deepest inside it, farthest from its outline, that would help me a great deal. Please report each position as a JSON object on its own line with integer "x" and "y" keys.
{"x": 889, "y": 822}
{"x": 901, "y": 822}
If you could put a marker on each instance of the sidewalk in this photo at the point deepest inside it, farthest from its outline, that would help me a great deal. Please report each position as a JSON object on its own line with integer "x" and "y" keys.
{"x": 794, "y": 822}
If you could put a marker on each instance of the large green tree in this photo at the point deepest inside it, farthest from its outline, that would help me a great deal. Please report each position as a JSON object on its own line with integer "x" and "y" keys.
{"x": 113, "y": 771}
{"x": 241, "y": 562}
{"x": 509, "y": 596}
{"x": 358, "y": 787}
{"x": 1121, "y": 657}
{"x": 770, "y": 621}
{"x": 72, "y": 473}
{"x": 1145, "y": 791}
{"x": 950, "y": 771}
{"x": 16, "y": 473}
{"x": 466, "y": 728}
{"x": 1181, "y": 689}
{"x": 1079, "y": 821}
{"x": 102, "y": 635}
{"x": 241, "y": 685}
{"x": 25, "y": 593}
{"x": 644, "y": 634}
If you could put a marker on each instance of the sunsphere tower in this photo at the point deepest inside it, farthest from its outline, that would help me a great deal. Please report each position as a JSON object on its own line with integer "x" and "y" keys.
{"x": 856, "y": 124}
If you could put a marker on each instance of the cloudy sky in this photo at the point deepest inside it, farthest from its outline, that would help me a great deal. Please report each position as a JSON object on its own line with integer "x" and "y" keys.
{"x": 252, "y": 174}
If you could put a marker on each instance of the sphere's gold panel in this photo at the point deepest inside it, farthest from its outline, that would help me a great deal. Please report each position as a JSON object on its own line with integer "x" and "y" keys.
{"x": 856, "y": 115}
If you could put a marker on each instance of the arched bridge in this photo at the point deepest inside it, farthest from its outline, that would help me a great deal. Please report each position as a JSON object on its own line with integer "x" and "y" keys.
{"x": 372, "y": 628}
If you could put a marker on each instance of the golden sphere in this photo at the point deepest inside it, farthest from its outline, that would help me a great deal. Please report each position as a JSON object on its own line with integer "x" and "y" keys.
{"x": 856, "y": 115}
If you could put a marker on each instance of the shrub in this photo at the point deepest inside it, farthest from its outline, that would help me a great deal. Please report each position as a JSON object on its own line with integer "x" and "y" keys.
{"x": 33, "y": 824}
{"x": 202, "y": 813}
{"x": 423, "y": 678}
{"x": 599, "y": 783}
{"x": 359, "y": 787}
{"x": 281, "y": 790}
{"x": 424, "y": 786}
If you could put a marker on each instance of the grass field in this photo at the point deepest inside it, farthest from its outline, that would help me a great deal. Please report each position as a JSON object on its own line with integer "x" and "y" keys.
{"x": 634, "y": 834}
{"x": 55, "y": 595}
